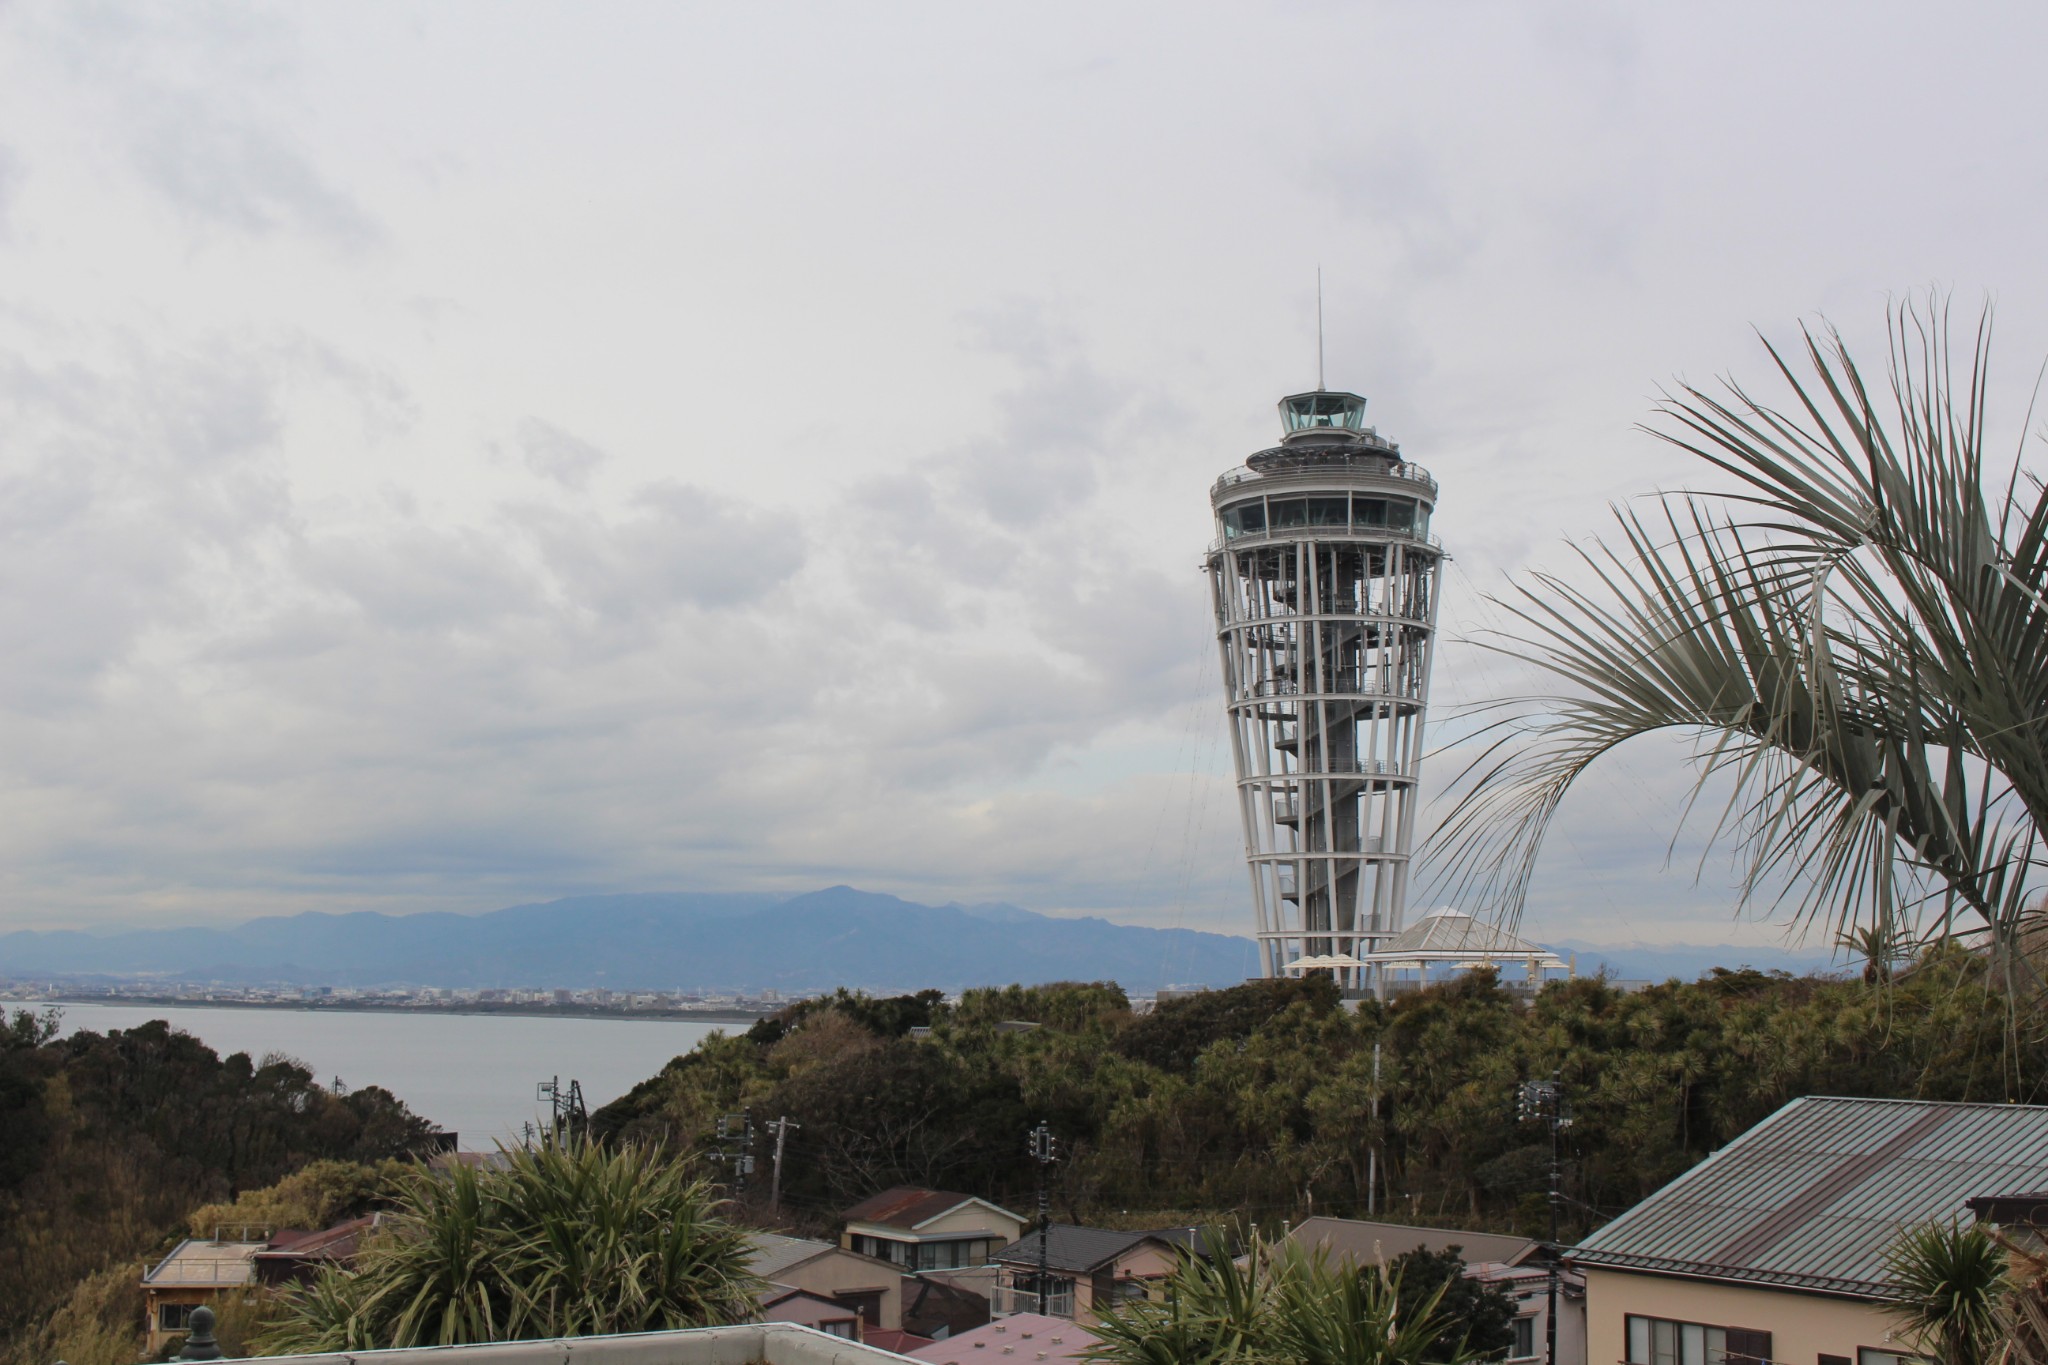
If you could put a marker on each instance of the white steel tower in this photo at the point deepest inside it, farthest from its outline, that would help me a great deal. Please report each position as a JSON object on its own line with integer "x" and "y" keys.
{"x": 1324, "y": 579}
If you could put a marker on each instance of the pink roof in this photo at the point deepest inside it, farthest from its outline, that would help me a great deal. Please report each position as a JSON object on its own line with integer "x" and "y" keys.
{"x": 1020, "y": 1339}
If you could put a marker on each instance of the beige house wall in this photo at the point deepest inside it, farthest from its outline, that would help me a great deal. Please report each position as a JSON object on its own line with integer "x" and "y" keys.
{"x": 972, "y": 1220}
{"x": 837, "y": 1272}
{"x": 1803, "y": 1327}
{"x": 1142, "y": 1262}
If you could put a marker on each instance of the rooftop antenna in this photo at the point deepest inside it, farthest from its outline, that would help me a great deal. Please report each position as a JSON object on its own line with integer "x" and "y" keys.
{"x": 1319, "y": 327}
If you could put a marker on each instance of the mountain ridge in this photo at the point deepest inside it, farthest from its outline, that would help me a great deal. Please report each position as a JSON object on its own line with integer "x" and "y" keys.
{"x": 816, "y": 940}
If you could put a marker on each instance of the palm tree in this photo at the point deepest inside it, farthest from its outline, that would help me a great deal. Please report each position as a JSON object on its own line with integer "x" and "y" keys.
{"x": 566, "y": 1240}
{"x": 1857, "y": 637}
{"x": 1952, "y": 1285}
{"x": 1276, "y": 1306}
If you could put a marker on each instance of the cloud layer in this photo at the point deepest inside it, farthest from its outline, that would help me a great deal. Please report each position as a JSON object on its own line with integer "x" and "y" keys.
{"x": 468, "y": 455}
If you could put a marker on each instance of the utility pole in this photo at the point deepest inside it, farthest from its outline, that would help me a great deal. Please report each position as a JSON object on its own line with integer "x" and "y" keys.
{"x": 1040, "y": 1145}
{"x": 781, "y": 1126}
{"x": 567, "y": 1117}
{"x": 1543, "y": 1102}
{"x": 737, "y": 1158}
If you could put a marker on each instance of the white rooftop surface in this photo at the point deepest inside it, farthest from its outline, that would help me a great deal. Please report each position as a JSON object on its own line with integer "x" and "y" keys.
{"x": 1020, "y": 1339}
{"x": 765, "y": 1343}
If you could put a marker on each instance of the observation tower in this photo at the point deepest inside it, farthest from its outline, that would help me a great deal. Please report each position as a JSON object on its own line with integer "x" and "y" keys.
{"x": 1324, "y": 580}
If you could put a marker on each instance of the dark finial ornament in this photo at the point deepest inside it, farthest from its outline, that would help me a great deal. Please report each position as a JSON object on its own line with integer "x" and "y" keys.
{"x": 199, "y": 1342}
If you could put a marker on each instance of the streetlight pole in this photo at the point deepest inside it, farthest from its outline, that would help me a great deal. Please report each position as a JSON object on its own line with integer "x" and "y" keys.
{"x": 1543, "y": 1102}
{"x": 1041, "y": 1147}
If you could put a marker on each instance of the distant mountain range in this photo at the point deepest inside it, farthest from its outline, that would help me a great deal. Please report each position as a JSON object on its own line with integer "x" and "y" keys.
{"x": 1688, "y": 961}
{"x": 703, "y": 941}
{"x": 729, "y": 941}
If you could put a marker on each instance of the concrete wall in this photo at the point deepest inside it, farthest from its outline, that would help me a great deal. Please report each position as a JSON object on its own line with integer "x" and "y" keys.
{"x": 1803, "y": 1327}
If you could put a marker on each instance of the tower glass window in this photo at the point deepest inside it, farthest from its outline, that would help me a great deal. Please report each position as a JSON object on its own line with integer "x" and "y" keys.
{"x": 1309, "y": 411}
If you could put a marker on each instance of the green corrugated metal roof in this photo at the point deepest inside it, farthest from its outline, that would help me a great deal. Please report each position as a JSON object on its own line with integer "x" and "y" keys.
{"x": 1814, "y": 1196}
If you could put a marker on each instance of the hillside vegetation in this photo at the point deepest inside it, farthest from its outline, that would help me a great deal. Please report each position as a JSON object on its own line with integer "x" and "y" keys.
{"x": 111, "y": 1144}
{"x": 1258, "y": 1101}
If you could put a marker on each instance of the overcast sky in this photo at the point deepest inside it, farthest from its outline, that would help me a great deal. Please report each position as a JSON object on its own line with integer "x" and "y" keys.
{"x": 460, "y": 454}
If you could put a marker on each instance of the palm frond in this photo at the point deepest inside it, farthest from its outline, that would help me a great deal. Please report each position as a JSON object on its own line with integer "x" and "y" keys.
{"x": 1856, "y": 637}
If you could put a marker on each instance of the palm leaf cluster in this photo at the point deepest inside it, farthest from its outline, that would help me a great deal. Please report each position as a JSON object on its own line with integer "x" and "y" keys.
{"x": 1856, "y": 636}
{"x": 563, "y": 1241}
{"x": 1276, "y": 1305}
{"x": 1952, "y": 1288}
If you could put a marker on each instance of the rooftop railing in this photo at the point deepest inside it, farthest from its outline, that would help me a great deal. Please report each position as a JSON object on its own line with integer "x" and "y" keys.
{"x": 1377, "y": 465}
{"x": 1346, "y": 532}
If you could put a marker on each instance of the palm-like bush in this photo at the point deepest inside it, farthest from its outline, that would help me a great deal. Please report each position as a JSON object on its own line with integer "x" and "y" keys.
{"x": 1952, "y": 1285}
{"x": 565, "y": 1241}
{"x": 1857, "y": 637}
{"x": 1277, "y": 1306}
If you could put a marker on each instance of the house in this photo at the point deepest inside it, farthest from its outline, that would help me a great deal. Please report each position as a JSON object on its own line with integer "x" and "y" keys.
{"x": 1086, "y": 1270}
{"x": 872, "y": 1288}
{"x": 1025, "y": 1338}
{"x": 939, "y": 1304}
{"x": 902, "y": 1343}
{"x": 293, "y": 1257}
{"x": 197, "y": 1271}
{"x": 922, "y": 1229}
{"x": 780, "y": 1303}
{"x": 1773, "y": 1249}
{"x": 1515, "y": 1265}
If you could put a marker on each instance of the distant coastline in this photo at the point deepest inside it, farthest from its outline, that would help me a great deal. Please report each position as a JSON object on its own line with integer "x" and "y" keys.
{"x": 518, "y": 1009}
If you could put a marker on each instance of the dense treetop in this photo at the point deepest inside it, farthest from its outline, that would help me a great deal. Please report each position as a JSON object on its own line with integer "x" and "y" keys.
{"x": 1259, "y": 1101}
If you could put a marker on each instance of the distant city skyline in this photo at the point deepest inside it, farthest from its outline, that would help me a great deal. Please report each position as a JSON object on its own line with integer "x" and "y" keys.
{"x": 476, "y": 454}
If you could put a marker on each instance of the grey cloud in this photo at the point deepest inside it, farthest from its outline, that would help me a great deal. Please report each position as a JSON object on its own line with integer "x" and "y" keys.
{"x": 13, "y": 175}
{"x": 554, "y": 454}
{"x": 226, "y": 169}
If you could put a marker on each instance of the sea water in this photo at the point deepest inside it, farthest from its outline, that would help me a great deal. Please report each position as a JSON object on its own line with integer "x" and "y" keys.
{"x": 474, "y": 1074}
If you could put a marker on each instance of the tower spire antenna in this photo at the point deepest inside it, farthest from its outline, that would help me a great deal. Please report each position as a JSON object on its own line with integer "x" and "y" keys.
{"x": 1319, "y": 328}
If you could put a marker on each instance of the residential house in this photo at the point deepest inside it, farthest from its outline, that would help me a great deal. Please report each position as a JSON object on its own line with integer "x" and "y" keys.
{"x": 293, "y": 1257}
{"x": 1514, "y": 1265}
{"x": 920, "y": 1229}
{"x": 2021, "y": 1219}
{"x": 1086, "y": 1270}
{"x": 197, "y": 1271}
{"x": 938, "y": 1304}
{"x": 1020, "y": 1339}
{"x": 1773, "y": 1249}
{"x": 872, "y": 1288}
{"x": 780, "y": 1303}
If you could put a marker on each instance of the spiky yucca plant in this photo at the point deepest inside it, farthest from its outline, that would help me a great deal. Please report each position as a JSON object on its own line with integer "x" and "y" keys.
{"x": 1856, "y": 635}
{"x": 572, "y": 1240}
{"x": 1951, "y": 1280}
{"x": 1277, "y": 1305}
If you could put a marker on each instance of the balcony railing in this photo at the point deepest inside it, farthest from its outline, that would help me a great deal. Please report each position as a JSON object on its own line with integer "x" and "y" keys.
{"x": 1342, "y": 683}
{"x": 1324, "y": 533}
{"x": 1378, "y": 465}
{"x": 1005, "y": 1299}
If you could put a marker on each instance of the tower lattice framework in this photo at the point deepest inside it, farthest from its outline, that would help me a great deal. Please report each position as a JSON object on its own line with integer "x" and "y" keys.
{"x": 1324, "y": 581}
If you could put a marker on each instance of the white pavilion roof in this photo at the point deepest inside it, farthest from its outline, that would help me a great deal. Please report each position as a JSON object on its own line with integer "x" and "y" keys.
{"x": 1444, "y": 934}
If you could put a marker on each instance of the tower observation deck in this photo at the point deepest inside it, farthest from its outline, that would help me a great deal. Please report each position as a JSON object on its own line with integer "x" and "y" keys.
{"x": 1324, "y": 581}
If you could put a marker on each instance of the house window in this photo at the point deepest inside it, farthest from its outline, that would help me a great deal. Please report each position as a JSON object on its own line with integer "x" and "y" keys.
{"x": 174, "y": 1317}
{"x": 1866, "y": 1355}
{"x": 839, "y": 1327}
{"x": 1660, "y": 1341}
{"x": 1525, "y": 1338}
